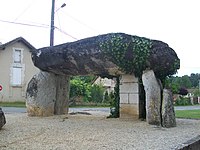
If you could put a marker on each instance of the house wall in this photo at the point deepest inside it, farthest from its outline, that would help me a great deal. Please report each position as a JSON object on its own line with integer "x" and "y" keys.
{"x": 10, "y": 92}
{"x": 129, "y": 97}
{"x": 108, "y": 84}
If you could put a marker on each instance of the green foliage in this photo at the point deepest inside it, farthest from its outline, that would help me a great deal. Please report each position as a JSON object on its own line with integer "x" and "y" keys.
{"x": 96, "y": 94}
{"x": 86, "y": 79}
{"x": 79, "y": 88}
{"x": 185, "y": 81}
{"x": 130, "y": 57}
{"x": 188, "y": 114}
{"x": 176, "y": 66}
{"x": 182, "y": 101}
{"x": 115, "y": 100}
{"x": 106, "y": 97}
{"x": 109, "y": 98}
{"x": 173, "y": 84}
{"x": 13, "y": 104}
{"x": 194, "y": 78}
{"x": 176, "y": 83}
{"x": 196, "y": 92}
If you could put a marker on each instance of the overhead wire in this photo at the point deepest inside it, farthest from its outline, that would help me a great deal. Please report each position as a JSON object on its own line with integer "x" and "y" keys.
{"x": 24, "y": 10}
{"x": 65, "y": 33}
{"x": 59, "y": 21}
{"x": 40, "y": 26}
{"x": 80, "y": 22}
{"x": 25, "y": 24}
{"x": 33, "y": 24}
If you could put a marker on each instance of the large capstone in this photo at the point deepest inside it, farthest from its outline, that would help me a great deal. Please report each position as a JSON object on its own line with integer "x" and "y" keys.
{"x": 168, "y": 114}
{"x": 108, "y": 54}
{"x": 153, "y": 97}
{"x": 2, "y": 119}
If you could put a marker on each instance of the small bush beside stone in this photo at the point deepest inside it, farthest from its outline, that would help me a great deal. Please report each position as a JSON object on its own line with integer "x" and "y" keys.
{"x": 182, "y": 101}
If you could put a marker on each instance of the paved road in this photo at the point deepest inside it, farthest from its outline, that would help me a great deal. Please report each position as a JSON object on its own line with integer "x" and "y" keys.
{"x": 23, "y": 110}
{"x": 8, "y": 110}
{"x": 187, "y": 107}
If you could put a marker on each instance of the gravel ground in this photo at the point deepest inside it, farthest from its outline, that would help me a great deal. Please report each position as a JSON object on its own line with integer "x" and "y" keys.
{"x": 89, "y": 132}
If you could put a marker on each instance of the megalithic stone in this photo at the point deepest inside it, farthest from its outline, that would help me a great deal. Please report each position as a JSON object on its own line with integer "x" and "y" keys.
{"x": 168, "y": 114}
{"x": 89, "y": 57}
{"x": 62, "y": 94}
{"x": 153, "y": 97}
{"x": 41, "y": 94}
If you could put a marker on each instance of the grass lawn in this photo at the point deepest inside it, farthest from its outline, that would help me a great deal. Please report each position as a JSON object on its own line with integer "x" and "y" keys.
{"x": 188, "y": 114}
{"x": 12, "y": 104}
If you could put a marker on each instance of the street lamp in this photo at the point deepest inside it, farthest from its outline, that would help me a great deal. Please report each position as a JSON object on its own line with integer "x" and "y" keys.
{"x": 52, "y": 21}
{"x": 63, "y": 5}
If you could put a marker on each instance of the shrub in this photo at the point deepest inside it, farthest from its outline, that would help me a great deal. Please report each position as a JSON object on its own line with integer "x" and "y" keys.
{"x": 183, "y": 91}
{"x": 182, "y": 101}
{"x": 79, "y": 88}
{"x": 96, "y": 94}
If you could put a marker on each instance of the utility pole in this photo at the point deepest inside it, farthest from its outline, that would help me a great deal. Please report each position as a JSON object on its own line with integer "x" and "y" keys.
{"x": 52, "y": 24}
{"x": 52, "y": 21}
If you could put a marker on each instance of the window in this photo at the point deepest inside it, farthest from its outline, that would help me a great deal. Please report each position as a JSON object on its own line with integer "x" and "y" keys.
{"x": 17, "y": 76}
{"x": 17, "y": 56}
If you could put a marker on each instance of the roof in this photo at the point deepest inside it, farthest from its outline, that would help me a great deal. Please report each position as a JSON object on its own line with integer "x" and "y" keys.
{"x": 19, "y": 39}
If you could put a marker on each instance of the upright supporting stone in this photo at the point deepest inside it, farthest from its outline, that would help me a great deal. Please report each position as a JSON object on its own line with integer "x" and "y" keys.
{"x": 62, "y": 95}
{"x": 153, "y": 97}
{"x": 168, "y": 114}
{"x": 41, "y": 94}
{"x": 129, "y": 97}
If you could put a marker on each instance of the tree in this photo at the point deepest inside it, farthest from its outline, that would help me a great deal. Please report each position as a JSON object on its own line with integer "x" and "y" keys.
{"x": 194, "y": 79}
{"x": 183, "y": 91}
{"x": 79, "y": 88}
{"x": 185, "y": 81}
{"x": 173, "y": 83}
{"x": 96, "y": 93}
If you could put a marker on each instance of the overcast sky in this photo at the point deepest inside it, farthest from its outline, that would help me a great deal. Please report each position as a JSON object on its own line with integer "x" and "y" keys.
{"x": 175, "y": 22}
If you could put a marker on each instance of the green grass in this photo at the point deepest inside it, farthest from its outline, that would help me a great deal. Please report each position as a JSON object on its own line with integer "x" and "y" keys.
{"x": 13, "y": 104}
{"x": 188, "y": 114}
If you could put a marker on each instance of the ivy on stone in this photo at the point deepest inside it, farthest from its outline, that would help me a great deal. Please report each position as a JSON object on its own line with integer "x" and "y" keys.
{"x": 114, "y": 107}
{"x": 129, "y": 55}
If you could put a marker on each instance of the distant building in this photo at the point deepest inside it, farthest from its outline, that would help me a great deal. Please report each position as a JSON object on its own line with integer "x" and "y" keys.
{"x": 108, "y": 84}
{"x": 16, "y": 69}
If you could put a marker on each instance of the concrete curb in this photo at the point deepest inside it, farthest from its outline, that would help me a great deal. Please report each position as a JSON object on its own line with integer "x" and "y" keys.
{"x": 193, "y": 144}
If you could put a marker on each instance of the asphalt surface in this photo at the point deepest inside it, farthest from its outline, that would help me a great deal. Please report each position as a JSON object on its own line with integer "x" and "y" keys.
{"x": 8, "y": 110}
{"x": 195, "y": 107}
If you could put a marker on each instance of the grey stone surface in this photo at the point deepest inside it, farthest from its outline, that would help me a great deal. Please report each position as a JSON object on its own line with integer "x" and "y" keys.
{"x": 168, "y": 114}
{"x": 153, "y": 97}
{"x": 62, "y": 94}
{"x": 129, "y": 96}
{"x": 2, "y": 119}
{"x": 41, "y": 94}
{"x": 89, "y": 56}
